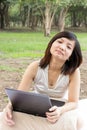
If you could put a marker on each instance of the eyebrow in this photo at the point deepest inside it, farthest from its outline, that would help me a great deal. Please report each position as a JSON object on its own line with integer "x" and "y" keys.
{"x": 68, "y": 42}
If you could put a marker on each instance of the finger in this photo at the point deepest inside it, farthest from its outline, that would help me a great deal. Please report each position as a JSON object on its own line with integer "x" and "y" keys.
{"x": 51, "y": 113}
{"x": 8, "y": 112}
{"x": 53, "y": 108}
{"x": 8, "y": 118}
{"x": 8, "y": 115}
{"x": 52, "y": 116}
{"x": 51, "y": 120}
{"x": 9, "y": 121}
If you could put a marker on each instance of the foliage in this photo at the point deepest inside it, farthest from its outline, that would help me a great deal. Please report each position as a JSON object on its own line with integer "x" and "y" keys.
{"x": 14, "y": 11}
{"x": 31, "y": 13}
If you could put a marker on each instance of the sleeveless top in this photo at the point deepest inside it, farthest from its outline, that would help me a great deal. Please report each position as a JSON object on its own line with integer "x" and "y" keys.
{"x": 41, "y": 84}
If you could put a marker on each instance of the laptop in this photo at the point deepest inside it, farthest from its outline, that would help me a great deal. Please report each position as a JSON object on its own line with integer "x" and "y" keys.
{"x": 30, "y": 102}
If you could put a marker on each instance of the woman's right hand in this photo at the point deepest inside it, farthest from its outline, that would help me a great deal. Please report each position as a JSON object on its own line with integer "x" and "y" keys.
{"x": 8, "y": 115}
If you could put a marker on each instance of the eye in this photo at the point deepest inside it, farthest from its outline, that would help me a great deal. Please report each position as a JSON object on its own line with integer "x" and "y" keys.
{"x": 59, "y": 41}
{"x": 69, "y": 47}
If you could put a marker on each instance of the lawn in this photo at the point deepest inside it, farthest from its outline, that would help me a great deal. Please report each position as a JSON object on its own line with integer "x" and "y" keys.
{"x": 29, "y": 44}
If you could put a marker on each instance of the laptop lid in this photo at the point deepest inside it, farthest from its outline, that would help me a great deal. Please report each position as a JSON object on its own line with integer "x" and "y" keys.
{"x": 29, "y": 102}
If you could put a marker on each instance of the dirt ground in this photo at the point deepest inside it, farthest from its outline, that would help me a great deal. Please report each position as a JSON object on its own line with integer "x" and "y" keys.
{"x": 13, "y": 69}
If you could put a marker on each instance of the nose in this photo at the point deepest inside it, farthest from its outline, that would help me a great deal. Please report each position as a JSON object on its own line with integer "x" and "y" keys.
{"x": 63, "y": 47}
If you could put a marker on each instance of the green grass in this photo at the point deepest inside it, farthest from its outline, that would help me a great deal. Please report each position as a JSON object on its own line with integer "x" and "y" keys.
{"x": 82, "y": 37}
{"x": 22, "y": 44}
{"x": 8, "y": 68}
{"x": 29, "y": 44}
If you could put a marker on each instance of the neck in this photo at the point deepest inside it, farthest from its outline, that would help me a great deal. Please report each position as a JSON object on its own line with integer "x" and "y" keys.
{"x": 55, "y": 65}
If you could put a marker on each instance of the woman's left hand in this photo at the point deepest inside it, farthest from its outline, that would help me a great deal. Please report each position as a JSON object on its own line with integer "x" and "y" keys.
{"x": 53, "y": 114}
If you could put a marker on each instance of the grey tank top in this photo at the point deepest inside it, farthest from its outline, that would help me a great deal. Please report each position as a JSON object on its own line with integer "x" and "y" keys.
{"x": 41, "y": 84}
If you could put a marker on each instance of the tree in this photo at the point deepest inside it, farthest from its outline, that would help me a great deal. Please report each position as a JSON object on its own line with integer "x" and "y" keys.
{"x": 64, "y": 7}
{"x": 48, "y": 9}
{"x": 78, "y": 16}
{"x": 62, "y": 16}
{"x": 29, "y": 13}
{"x": 49, "y": 16}
{"x": 3, "y": 7}
{"x": 4, "y": 12}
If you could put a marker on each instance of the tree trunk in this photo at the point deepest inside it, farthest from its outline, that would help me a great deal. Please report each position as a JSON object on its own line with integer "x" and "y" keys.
{"x": 48, "y": 19}
{"x": 24, "y": 15}
{"x": 2, "y": 15}
{"x": 61, "y": 21}
{"x": 74, "y": 19}
{"x": 7, "y": 16}
{"x": 2, "y": 21}
{"x": 28, "y": 16}
{"x": 47, "y": 26}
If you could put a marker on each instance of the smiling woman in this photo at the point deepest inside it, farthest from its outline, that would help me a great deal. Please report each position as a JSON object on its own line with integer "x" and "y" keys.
{"x": 57, "y": 74}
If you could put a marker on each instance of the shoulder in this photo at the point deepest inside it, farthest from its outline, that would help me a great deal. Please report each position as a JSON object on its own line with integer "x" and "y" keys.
{"x": 33, "y": 66}
{"x": 75, "y": 74}
{"x": 29, "y": 74}
{"x": 77, "y": 71}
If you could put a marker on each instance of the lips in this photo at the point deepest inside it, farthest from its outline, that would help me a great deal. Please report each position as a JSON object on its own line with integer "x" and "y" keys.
{"x": 59, "y": 52}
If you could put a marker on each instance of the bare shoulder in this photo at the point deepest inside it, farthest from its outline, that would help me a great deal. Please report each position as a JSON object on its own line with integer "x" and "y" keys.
{"x": 33, "y": 67}
{"x": 34, "y": 64}
{"x": 75, "y": 74}
{"x": 29, "y": 75}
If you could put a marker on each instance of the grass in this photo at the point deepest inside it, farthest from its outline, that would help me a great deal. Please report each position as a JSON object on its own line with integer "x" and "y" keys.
{"x": 29, "y": 44}
{"x": 82, "y": 37}
{"x": 8, "y": 68}
{"x": 22, "y": 44}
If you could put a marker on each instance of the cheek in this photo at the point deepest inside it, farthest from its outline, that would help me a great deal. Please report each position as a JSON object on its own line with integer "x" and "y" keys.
{"x": 68, "y": 54}
{"x": 51, "y": 49}
{"x": 54, "y": 45}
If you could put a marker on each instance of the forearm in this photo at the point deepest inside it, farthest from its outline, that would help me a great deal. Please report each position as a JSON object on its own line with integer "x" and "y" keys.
{"x": 69, "y": 106}
{"x": 9, "y": 105}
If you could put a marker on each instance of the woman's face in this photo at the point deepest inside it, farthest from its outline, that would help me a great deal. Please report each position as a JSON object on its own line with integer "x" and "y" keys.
{"x": 62, "y": 48}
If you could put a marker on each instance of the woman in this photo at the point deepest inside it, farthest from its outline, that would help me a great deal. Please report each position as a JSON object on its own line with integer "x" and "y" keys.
{"x": 57, "y": 74}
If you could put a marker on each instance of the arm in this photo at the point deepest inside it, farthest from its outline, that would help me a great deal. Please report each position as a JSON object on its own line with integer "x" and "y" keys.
{"x": 73, "y": 92}
{"x": 25, "y": 84}
{"x": 28, "y": 76}
{"x": 73, "y": 97}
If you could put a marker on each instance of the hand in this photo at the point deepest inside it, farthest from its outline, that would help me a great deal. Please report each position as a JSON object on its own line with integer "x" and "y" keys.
{"x": 8, "y": 115}
{"x": 54, "y": 114}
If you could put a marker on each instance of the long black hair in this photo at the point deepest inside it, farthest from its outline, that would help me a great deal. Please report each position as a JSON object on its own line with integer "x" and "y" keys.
{"x": 74, "y": 60}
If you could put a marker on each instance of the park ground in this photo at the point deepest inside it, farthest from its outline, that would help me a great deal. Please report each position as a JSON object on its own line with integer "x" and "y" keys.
{"x": 13, "y": 69}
